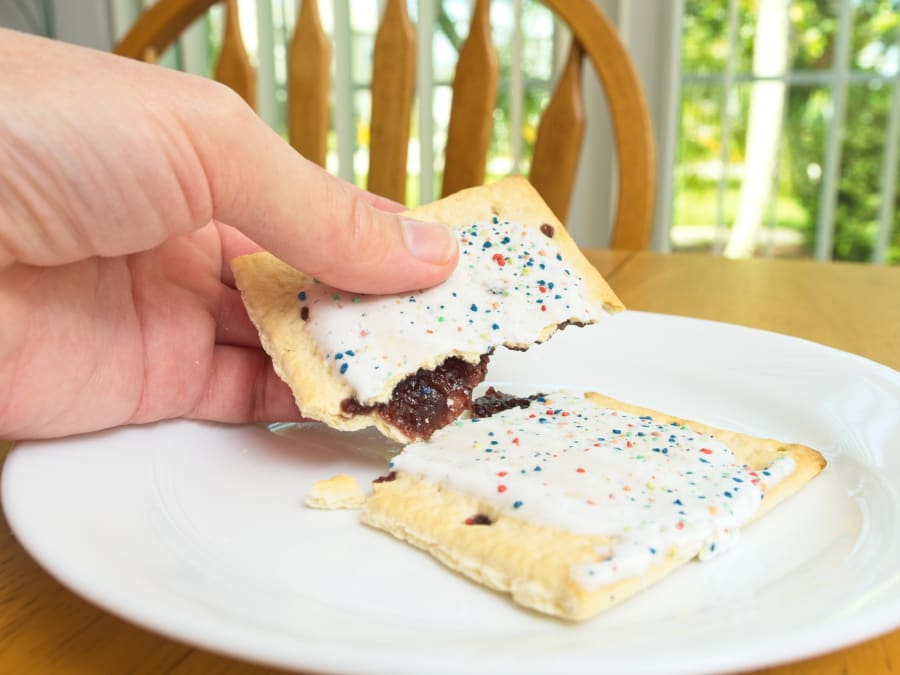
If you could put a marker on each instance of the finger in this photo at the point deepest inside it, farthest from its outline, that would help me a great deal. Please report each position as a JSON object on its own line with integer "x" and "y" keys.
{"x": 234, "y": 244}
{"x": 233, "y": 326}
{"x": 77, "y": 183}
{"x": 379, "y": 202}
{"x": 310, "y": 219}
{"x": 243, "y": 387}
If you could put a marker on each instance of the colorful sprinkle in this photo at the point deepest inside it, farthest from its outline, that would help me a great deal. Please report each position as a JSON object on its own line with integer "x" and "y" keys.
{"x": 500, "y": 255}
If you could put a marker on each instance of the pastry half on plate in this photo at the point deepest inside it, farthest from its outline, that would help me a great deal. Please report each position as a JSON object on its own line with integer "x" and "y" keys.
{"x": 407, "y": 363}
{"x": 573, "y": 502}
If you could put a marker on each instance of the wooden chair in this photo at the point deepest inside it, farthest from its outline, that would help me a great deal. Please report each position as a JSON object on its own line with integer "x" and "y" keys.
{"x": 560, "y": 133}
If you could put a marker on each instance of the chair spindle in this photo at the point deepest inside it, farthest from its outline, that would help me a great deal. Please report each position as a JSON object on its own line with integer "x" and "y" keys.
{"x": 149, "y": 55}
{"x": 560, "y": 134}
{"x": 233, "y": 67}
{"x": 309, "y": 84}
{"x": 471, "y": 114}
{"x": 393, "y": 80}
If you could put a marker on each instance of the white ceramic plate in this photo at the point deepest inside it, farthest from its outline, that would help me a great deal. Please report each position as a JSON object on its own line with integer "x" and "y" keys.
{"x": 198, "y": 531}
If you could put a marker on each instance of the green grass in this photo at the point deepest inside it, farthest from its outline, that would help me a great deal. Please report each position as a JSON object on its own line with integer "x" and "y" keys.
{"x": 697, "y": 204}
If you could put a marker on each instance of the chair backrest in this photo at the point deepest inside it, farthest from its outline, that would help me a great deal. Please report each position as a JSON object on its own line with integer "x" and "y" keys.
{"x": 560, "y": 133}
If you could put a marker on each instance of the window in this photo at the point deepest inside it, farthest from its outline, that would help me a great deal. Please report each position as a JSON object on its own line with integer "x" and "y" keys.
{"x": 788, "y": 129}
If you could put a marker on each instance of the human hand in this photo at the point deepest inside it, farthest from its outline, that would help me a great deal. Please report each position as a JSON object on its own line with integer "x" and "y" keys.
{"x": 125, "y": 189}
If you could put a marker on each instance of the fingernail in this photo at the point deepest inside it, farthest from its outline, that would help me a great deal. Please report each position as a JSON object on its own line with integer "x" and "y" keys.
{"x": 430, "y": 242}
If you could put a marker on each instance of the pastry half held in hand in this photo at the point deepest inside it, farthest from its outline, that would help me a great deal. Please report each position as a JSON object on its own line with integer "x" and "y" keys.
{"x": 573, "y": 502}
{"x": 407, "y": 363}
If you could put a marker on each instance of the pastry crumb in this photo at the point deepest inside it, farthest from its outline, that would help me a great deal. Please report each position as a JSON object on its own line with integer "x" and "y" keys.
{"x": 338, "y": 492}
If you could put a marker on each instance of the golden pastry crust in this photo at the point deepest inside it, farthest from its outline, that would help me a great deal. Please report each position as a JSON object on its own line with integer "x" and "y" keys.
{"x": 269, "y": 290}
{"x": 338, "y": 492}
{"x": 533, "y": 562}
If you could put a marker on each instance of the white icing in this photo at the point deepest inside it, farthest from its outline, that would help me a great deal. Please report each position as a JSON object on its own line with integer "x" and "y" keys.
{"x": 510, "y": 284}
{"x": 652, "y": 488}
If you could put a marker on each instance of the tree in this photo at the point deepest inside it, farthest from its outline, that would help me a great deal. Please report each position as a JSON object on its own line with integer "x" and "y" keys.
{"x": 770, "y": 59}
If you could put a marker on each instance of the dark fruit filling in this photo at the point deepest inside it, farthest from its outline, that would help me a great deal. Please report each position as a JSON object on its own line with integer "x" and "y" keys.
{"x": 428, "y": 399}
{"x": 494, "y": 402}
{"x": 392, "y": 476}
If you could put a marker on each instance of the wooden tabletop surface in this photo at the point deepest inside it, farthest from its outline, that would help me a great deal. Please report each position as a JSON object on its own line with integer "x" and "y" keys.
{"x": 44, "y": 628}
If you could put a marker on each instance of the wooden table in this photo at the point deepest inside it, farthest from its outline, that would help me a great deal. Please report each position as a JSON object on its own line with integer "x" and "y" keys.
{"x": 44, "y": 628}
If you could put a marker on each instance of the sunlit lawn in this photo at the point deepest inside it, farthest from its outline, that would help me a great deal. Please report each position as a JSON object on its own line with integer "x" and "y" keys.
{"x": 697, "y": 204}
{"x": 696, "y": 215}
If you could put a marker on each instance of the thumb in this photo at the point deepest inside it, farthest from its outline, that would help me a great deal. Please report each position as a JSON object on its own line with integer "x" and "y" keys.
{"x": 314, "y": 221}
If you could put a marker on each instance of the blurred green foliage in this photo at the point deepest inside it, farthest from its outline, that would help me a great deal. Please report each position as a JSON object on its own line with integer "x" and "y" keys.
{"x": 875, "y": 50}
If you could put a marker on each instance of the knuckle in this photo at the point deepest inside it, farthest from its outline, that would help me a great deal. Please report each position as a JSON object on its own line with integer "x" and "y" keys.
{"x": 359, "y": 238}
{"x": 226, "y": 99}
{"x": 361, "y": 223}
